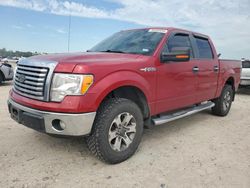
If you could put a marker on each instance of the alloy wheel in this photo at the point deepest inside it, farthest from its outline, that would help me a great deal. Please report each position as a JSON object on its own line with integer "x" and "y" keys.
{"x": 122, "y": 131}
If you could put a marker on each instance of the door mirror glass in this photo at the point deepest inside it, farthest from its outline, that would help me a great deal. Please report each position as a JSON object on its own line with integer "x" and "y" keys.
{"x": 177, "y": 54}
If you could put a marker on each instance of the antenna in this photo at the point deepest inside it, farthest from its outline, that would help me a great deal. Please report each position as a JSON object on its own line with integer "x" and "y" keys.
{"x": 69, "y": 31}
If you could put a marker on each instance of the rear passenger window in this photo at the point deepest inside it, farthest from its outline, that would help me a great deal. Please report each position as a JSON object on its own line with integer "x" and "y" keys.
{"x": 204, "y": 48}
{"x": 178, "y": 41}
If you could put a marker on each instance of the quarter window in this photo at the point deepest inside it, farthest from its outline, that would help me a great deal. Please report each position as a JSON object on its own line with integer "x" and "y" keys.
{"x": 204, "y": 48}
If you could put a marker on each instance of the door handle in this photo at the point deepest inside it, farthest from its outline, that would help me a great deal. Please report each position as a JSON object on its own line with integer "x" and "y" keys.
{"x": 216, "y": 68}
{"x": 196, "y": 69}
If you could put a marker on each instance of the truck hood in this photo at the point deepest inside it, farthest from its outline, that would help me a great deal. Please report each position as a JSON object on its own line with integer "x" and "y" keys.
{"x": 68, "y": 61}
{"x": 86, "y": 57}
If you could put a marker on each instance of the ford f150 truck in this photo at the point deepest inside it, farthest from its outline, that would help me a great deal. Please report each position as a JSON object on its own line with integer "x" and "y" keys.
{"x": 134, "y": 79}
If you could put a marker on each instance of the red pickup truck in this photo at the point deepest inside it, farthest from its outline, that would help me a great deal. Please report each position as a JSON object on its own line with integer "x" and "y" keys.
{"x": 132, "y": 80}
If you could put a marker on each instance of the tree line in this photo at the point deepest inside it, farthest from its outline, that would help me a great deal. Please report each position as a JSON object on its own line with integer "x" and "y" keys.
{"x": 9, "y": 53}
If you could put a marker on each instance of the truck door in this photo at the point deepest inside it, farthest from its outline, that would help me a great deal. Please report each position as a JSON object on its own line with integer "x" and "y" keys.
{"x": 208, "y": 68}
{"x": 176, "y": 81}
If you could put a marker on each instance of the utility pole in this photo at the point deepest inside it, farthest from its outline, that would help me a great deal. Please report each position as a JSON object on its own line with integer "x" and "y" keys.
{"x": 69, "y": 31}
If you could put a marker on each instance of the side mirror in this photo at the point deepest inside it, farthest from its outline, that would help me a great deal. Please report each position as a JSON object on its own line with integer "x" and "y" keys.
{"x": 176, "y": 55}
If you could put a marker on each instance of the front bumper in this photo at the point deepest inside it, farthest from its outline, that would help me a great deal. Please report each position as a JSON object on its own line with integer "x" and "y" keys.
{"x": 50, "y": 122}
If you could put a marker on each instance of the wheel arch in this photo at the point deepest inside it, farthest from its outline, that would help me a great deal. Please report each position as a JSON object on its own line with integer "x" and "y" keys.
{"x": 230, "y": 81}
{"x": 125, "y": 84}
{"x": 132, "y": 93}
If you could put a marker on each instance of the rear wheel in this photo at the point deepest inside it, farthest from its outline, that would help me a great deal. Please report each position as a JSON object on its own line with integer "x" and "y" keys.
{"x": 224, "y": 102}
{"x": 117, "y": 130}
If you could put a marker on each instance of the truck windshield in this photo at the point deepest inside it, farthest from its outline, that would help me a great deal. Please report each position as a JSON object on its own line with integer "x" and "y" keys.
{"x": 142, "y": 41}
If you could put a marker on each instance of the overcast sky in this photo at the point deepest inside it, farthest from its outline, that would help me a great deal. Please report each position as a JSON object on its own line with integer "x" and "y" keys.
{"x": 42, "y": 25}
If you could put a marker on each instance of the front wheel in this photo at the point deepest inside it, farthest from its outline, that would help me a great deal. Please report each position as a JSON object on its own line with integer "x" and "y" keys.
{"x": 117, "y": 130}
{"x": 224, "y": 102}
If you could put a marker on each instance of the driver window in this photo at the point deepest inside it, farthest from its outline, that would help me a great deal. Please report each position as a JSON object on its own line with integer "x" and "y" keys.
{"x": 178, "y": 40}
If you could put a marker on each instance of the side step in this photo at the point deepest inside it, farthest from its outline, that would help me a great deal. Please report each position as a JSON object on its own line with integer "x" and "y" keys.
{"x": 183, "y": 113}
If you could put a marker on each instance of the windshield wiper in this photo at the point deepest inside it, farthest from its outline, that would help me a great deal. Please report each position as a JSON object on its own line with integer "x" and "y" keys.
{"x": 113, "y": 51}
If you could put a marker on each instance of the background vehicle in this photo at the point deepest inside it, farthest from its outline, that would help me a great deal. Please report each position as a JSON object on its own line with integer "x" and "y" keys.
{"x": 5, "y": 60}
{"x": 135, "y": 78}
{"x": 245, "y": 74}
{"x": 6, "y": 72}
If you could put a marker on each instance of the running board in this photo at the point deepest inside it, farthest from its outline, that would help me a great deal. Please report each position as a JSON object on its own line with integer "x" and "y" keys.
{"x": 183, "y": 113}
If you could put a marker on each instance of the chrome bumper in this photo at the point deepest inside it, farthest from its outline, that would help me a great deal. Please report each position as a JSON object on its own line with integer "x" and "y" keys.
{"x": 245, "y": 81}
{"x": 50, "y": 122}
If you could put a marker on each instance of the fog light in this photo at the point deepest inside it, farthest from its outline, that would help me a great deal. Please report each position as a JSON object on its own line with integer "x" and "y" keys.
{"x": 62, "y": 125}
{"x": 58, "y": 125}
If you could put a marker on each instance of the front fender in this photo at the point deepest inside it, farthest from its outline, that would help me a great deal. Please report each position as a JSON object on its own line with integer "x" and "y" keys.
{"x": 118, "y": 79}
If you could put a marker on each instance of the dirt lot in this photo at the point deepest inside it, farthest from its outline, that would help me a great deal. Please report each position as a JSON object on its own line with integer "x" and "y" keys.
{"x": 198, "y": 151}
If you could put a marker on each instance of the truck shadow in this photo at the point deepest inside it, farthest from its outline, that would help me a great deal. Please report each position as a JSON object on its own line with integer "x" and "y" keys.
{"x": 74, "y": 145}
{"x": 77, "y": 145}
{"x": 244, "y": 90}
{"x": 174, "y": 127}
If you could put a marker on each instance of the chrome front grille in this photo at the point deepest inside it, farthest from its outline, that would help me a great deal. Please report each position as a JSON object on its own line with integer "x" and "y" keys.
{"x": 31, "y": 80}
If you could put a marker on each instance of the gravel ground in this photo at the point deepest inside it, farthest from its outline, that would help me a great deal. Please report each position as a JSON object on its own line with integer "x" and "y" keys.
{"x": 198, "y": 151}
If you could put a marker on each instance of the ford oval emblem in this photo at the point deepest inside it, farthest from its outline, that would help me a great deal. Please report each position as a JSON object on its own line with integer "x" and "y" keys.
{"x": 21, "y": 78}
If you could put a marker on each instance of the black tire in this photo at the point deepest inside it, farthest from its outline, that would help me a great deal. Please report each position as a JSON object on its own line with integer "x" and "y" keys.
{"x": 1, "y": 78}
{"x": 98, "y": 142}
{"x": 224, "y": 102}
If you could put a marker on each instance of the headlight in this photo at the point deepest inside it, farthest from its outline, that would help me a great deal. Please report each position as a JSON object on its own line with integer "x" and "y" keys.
{"x": 69, "y": 84}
